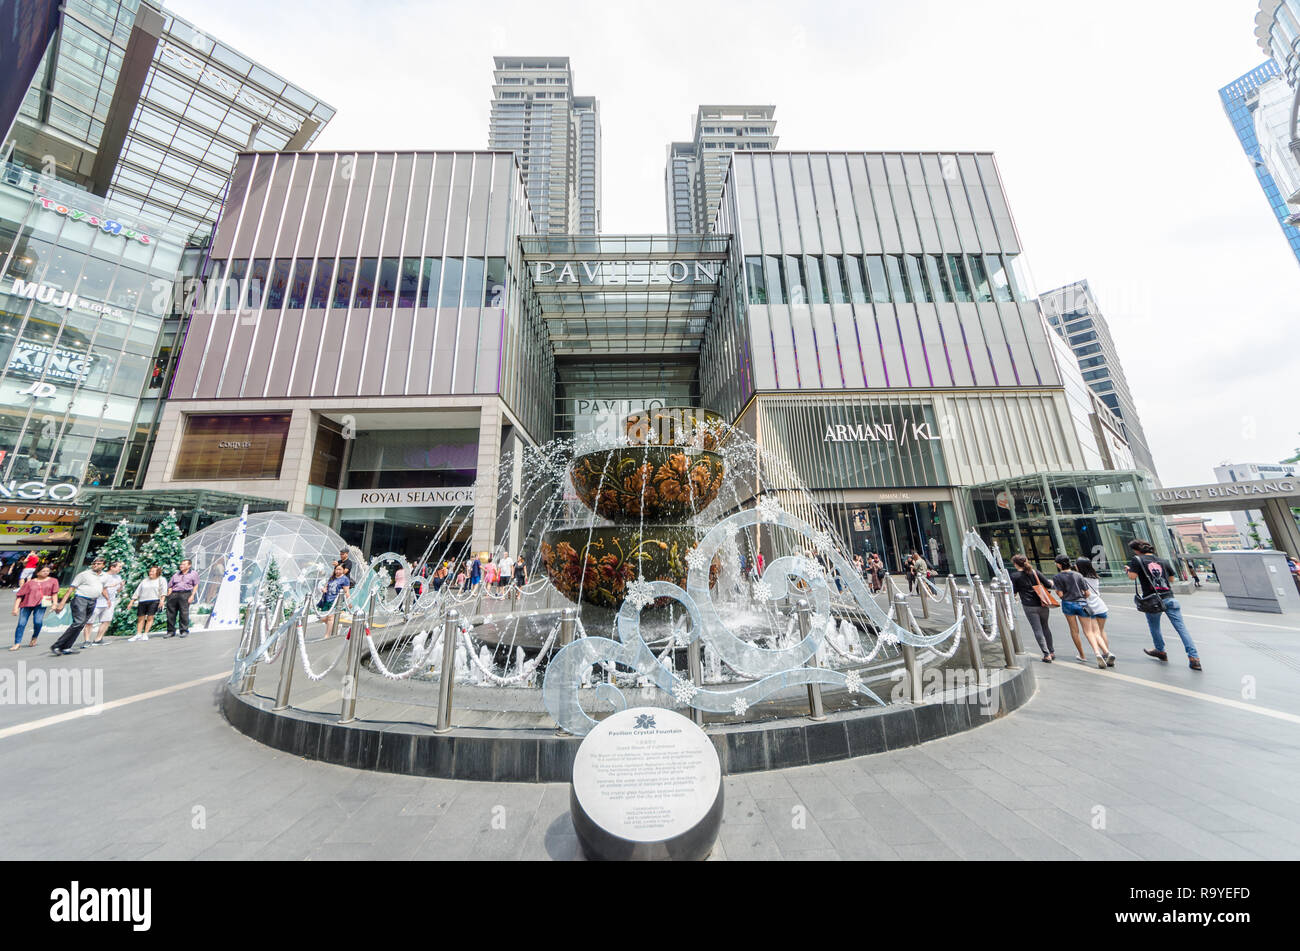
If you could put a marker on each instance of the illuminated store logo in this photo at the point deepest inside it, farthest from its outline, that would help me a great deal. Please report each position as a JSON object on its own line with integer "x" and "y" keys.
{"x": 625, "y": 272}
{"x": 38, "y": 491}
{"x": 232, "y": 88}
{"x": 63, "y": 366}
{"x": 235, "y": 444}
{"x": 107, "y": 225}
{"x": 58, "y": 297}
{"x": 880, "y": 432}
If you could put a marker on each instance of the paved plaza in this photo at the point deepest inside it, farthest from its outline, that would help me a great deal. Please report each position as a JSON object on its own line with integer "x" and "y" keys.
{"x": 1145, "y": 761}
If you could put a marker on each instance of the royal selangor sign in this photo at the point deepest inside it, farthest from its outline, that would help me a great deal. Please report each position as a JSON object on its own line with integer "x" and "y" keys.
{"x": 623, "y": 272}
{"x": 1219, "y": 492}
{"x": 405, "y": 498}
{"x": 107, "y": 225}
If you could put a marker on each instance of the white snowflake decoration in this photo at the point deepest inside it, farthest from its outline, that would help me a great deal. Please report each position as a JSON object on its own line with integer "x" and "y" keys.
{"x": 684, "y": 690}
{"x": 762, "y": 591}
{"x": 853, "y": 680}
{"x": 888, "y": 638}
{"x": 769, "y": 509}
{"x": 639, "y": 593}
{"x": 823, "y": 542}
{"x": 695, "y": 559}
{"x": 739, "y": 706}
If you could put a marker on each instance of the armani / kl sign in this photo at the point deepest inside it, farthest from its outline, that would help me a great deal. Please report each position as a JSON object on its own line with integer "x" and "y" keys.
{"x": 880, "y": 432}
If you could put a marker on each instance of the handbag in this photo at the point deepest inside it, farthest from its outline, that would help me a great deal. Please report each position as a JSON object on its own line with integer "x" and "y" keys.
{"x": 47, "y": 601}
{"x": 1151, "y": 603}
{"x": 1045, "y": 595}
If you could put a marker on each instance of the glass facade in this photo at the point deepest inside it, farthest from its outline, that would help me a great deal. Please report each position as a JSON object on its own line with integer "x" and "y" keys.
{"x": 1086, "y": 514}
{"x": 84, "y": 291}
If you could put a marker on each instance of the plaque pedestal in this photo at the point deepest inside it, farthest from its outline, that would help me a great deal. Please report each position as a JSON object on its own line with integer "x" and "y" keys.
{"x": 647, "y": 786}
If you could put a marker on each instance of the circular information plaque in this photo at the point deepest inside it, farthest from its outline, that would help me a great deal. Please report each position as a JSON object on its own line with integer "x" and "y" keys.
{"x": 647, "y": 784}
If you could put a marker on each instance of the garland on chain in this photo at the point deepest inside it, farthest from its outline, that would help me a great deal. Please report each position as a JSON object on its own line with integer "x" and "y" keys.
{"x": 528, "y": 669}
{"x": 416, "y": 664}
{"x": 302, "y": 652}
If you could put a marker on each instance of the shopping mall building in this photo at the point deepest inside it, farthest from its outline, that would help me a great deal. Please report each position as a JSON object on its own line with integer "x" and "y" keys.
{"x": 392, "y": 321}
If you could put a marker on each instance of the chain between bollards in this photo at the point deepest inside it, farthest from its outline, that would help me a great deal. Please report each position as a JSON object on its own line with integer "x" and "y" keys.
{"x": 803, "y": 611}
{"x": 903, "y": 618}
{"x": 351, "y": 676}
{"x": 447, "y": 675}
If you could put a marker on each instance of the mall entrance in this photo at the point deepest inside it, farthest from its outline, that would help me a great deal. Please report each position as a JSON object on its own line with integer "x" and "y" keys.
{"x": 409, "y": 531}
{"x": 893, "y": 530}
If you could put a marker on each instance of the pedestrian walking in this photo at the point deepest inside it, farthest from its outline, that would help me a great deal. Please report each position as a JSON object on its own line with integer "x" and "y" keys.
{"x": 340, "y": 582}
{"x": 519, "y": 577}
{"x": 1037, "y": 603}
{"x": 476, "y": 569}
{"x": 1154, "y": 597}
{"x": 146, "y": 599}
{"x": 1074, "y": 605}
{"x": 29, "y": 566}
{"x": 399, "y": 580}
{"x": 33, "y": 598}
{"x": 85, "y": 590}
{"x": 182, "y": 589}
{"x": 1096, "y": 606}
{"x": 105, "y": 605}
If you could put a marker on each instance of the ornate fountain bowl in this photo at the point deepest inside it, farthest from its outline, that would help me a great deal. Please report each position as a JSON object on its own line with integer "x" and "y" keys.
{"x": 597, "y": 564}
{"x": 634, "y": 484}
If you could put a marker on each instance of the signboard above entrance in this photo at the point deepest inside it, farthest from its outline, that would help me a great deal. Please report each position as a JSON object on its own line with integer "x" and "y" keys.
{"x": 405, "y": 498}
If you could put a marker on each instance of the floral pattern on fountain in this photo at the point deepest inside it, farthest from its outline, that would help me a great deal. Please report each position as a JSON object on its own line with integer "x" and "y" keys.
{"x": 654, "y": 483}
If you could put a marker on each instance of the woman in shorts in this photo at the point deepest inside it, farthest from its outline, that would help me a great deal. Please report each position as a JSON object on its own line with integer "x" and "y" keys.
{"x": 1096, "y": 606}
{"x": 1074, "y": 605}
{"x": 149, "y": 594}
{"x": 339, "y": 584}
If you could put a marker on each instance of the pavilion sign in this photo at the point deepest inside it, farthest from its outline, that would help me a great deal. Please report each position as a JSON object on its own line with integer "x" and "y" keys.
{"x": 547, "y": 273}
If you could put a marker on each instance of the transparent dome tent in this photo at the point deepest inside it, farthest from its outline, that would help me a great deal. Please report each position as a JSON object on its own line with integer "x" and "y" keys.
{"x": 303, "y": 548}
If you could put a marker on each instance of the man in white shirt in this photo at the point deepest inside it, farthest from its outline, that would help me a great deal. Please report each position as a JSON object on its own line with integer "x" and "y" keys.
{"x": 85, "y": 591}
{"x": 505, "y": 569}
{"x": 105, "y": 604}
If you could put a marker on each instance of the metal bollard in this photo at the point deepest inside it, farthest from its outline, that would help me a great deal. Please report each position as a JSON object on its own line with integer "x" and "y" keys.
{"x": 447, "y": 676}
{"x": 952, "y": 593}
{"x": 288, "y": 654}
{"x": 695, "y": 667}
{"x": 568, "y": 625}
{"x": 360, "y": 622}
{"x": 971, "y": 630}
{"x": 913, "y": 671}
{"x": 1009, "y": 605}
{"x": 1004, "y": 625}
{"x": 925, "y": 597}
{"x": 803, "y": 611}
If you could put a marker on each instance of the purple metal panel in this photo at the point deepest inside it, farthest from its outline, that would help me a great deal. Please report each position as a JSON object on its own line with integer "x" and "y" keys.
{"x": 375, "y": 346}
{"x": 347, "y": 381}
{"x": 394, "y": 382}
{"x": 421, "y": 343}
{"x": 259, "y": 357}
{"x": 314, "y": 333}
{"x": 188, "y": 367}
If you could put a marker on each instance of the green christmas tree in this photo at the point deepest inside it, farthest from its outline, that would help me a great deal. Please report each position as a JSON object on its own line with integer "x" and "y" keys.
{"x": 120, "y": 547}
{"x": 162, "y": 549}
{"x": 271, "y": 587}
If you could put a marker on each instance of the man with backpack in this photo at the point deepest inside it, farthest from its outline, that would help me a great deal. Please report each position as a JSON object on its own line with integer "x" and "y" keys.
{"x": 1156, "y": 597}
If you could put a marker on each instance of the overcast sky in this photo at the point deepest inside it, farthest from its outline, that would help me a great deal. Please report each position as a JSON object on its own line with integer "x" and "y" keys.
{"x": 1118, "y": 160}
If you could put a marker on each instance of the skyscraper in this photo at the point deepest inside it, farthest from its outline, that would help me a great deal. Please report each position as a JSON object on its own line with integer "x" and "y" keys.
{"x": 696, "y": 169}
{"x": 556, "y": 136}
{"x": 1073, "y": 313}
{"x": 1259, "y": 106}
{"x": 134, "y": 104}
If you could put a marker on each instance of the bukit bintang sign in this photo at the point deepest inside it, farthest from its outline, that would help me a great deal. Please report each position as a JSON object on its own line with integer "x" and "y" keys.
{"x": 1219, "y": 492}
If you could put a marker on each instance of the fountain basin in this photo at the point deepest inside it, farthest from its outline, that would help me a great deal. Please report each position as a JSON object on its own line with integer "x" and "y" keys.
{"x": 651, "y": 483}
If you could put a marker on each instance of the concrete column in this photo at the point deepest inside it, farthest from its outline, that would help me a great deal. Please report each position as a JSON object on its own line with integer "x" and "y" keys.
{"x": 485, "y": 484}
{"x": 1282, "y": 526}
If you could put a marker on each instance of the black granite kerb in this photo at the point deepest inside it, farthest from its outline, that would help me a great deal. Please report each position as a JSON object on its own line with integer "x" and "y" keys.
{"x": 528, "y": 756}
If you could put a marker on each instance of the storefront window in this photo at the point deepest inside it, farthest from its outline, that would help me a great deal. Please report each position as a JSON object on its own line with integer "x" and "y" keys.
{"x": 430, "y": 281}
{"x": 775, "y": 281}
{"x": 257, "y": 276}
{"x": 876, "y": 280}
{"x": 365, "y": 283}
{"x": 320, "y": 291}
{"x": 232, "y": 447}
{"x": 343, "y": 283}
{"x": 494, "y": 287}
{"x": 835, "y": 282}
{"x": 300, "y": 285}
{"x": 857, "y": 281}
{"x": 386, "y": 288}
{"x": 474, "y": 270}
{"x": 452, "y": 270}
{"x": 409, "y": 284}
{"x": 754, "y": 280}
{"x": 279, "y": 284}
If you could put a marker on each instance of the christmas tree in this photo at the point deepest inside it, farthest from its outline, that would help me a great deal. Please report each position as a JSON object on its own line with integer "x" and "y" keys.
{"x": 120, "y": 547}
{"x": 162, "y": 549}
{"x": 272, "y": 589}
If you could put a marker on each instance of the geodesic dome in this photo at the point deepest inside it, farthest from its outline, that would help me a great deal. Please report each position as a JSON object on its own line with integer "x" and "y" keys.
{"x": 303, "y": 548}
